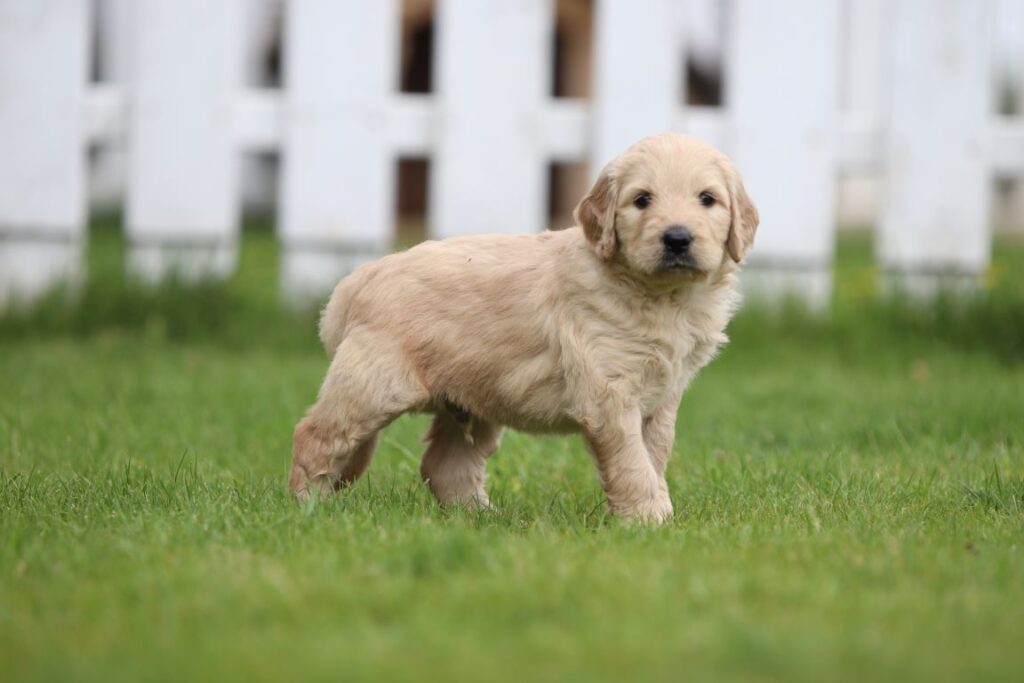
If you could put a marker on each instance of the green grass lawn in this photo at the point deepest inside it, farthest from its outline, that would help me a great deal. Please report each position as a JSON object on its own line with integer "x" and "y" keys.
{"x": 849, "y": 493}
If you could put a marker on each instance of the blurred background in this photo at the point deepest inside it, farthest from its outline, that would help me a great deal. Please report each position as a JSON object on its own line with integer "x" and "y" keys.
{"x": 351, "y": 128}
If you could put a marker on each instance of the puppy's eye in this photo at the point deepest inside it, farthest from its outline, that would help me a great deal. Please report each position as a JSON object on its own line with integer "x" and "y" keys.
{"x": 643, "y": 200}
{"x": 707, "y": 199}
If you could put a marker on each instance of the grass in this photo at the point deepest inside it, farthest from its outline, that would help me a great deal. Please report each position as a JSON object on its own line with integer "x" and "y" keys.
{"x": 850, "y": 491}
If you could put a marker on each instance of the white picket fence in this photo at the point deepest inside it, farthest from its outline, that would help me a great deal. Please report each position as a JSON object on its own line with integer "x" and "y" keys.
{"x": 491, "y": 129}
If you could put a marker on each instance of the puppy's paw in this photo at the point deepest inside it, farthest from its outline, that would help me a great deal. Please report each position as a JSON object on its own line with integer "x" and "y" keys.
{"x": 470, "y": 501}
{"x": 298, "y": 481}
{"x": 656, "y": 510}
{"x": 303, "y": 486}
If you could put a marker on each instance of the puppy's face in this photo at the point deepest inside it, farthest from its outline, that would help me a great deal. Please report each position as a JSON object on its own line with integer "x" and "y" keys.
{"x": 670, "y": 207}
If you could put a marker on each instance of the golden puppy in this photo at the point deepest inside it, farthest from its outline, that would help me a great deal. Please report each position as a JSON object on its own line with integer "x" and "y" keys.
{"x": 596, "y": 329}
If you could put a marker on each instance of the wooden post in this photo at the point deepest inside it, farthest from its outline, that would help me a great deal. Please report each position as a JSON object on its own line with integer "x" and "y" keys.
{"x": 782, "y": 95}
{"x": 43, "y": 62}
{"x": 936, "y": 210}
{"x": 489, "y": 172}
{"x": 183, "y": 204}
{"x": 341, "y": 72}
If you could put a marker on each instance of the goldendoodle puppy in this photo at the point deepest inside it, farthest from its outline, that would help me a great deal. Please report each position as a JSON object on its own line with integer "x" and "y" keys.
{"x": 596, "y": 329}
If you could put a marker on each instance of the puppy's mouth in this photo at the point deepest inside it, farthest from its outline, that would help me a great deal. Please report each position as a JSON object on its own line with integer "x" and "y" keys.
{"x": 683, "y": 264}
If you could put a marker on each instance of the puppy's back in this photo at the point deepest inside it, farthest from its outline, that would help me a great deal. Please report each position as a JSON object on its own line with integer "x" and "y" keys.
{"x": 482, "y": 271}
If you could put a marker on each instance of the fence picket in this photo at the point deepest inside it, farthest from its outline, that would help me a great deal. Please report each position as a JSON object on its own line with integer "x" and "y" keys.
{"x": 43, "y": 50}
{"x": 637, "y": 74}
{"x": 785, "y": 142}
{"x": 183, "y": 205}
{"x": 489, "y": 171}
{"x": 338, "y": 175}
{"x": 937, "y": 199}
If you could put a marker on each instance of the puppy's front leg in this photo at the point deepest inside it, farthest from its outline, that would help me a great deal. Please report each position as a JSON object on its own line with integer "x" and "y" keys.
{"x": 634, "y": 487}
{"x": 659, "y": 432}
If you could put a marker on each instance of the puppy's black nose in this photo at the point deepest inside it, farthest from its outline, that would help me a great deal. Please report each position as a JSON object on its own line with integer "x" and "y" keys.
{"x": 677, "y": 240}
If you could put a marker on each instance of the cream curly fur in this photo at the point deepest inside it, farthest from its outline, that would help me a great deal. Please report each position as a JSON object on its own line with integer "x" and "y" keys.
{"x": 580, "y": 330}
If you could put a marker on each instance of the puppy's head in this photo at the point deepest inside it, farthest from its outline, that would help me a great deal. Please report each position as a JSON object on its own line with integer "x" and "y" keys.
{"x": 670, "y": 206}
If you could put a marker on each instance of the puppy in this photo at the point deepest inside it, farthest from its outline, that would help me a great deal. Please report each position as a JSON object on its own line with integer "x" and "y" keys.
{"x": 596, "y": 329}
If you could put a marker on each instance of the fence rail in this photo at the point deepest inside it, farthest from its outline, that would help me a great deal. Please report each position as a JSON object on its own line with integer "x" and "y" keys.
{"x": 490, "y": 129}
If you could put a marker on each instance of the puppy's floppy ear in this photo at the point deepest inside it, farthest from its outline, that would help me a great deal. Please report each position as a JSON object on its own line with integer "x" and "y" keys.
{"x": 744, "y": 219}
{"x": 596, "y": 215}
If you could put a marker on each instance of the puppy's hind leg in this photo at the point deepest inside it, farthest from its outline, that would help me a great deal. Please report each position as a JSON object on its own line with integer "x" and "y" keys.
{"x": 358, "y": 462}
{"x": 363, "y": 392}
{"x": 454, "y": 464}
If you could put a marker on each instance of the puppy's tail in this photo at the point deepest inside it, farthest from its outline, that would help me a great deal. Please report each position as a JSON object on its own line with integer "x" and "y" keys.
{"x": 332, "y": 321}
{"x": 345, "y": 298}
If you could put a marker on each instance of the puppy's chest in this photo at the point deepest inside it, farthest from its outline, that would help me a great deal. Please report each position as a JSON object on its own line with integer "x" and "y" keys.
{"x": 650, "y": 357}
{"x": 663, "y": 357}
